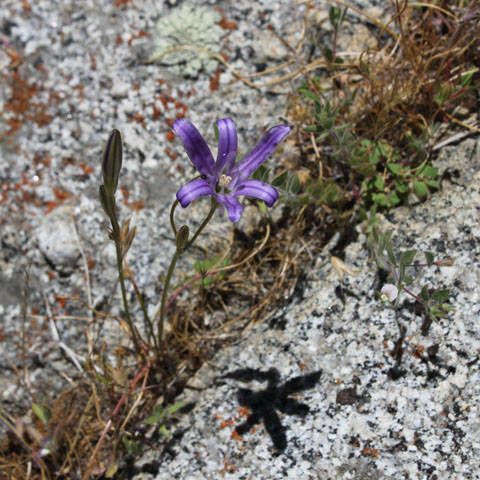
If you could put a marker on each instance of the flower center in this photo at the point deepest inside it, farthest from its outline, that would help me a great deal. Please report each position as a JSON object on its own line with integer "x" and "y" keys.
{"x": 224, "y": 180}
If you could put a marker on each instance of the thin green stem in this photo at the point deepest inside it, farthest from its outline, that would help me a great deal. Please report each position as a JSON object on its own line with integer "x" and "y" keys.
{"x": 121, "y": 277}
{"x": 163, "y": 303}
{"x": 172, "y": 218}
{"x": 213, "y": 207}
{"x": 173, "y": 263}
{"x": 146, "y": 318}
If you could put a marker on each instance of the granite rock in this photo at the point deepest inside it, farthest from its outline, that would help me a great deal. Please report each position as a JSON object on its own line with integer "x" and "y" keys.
{"x": 363, "y": 422}
{"x": 57, "y": 239}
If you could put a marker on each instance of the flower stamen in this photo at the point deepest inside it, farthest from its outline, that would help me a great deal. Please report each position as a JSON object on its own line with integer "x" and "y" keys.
{"x": 224, "y": 180}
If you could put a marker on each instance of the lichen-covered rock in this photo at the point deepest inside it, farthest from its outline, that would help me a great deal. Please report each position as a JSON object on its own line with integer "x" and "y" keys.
{"x": 186, "y": 38}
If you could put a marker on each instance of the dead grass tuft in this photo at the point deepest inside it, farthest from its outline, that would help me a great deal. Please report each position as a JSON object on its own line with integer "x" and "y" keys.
{"x": 369, "y": 124}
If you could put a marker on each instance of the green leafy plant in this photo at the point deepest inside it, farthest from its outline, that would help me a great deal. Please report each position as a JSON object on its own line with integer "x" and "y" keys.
{"x": 162, "y": 415}
{"x": 204, "y": 266}
{"x": 404, "y": 273}
{"x": 42, "y": 413}
{"x": 288, "y": 183}
{"x": 397, "y": 181}
{"x": 371, "y": 124}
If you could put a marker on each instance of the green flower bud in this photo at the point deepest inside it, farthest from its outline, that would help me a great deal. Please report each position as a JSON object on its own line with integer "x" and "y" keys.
{"x": 108, "y": 202}
{"x": 112, "y": 162}
{"x": 182, "y": 237}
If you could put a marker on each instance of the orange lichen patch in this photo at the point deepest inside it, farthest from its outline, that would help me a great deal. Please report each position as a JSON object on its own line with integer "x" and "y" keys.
{"x": 14, "y": 125}
{"x": 157, "y": 112}
{"x": 125, "y": 192}
{"x": 170, "y": 136}
{"x": 51, "y": 205}
{"x": 236, "y": 436}
{"x": 61, "y": 300}
{"x": 29, "y": 197}
{"x": 40, "y": 67}
{"x": 370, "y": 452}
{"x": 302, "y": 366}
{"x": 418, "y": 351}
{"x": 244, "y": 411}
{"x": 166, "y": 100}
{"x": 55, "y": 97}
{"x": 21, "y": 193}
{"x": 22, "y": 94}
{"x": 121, "y": 3}
{"x": 139, "y": 118}
{"x": 80, "y": 89}
{"x": 91, "y": 263}
{"x": 171, "y": 154}
{"x": 177, "y": 107}
{"x": 42, "y": 159}
{"x": 227, "y": 423}
{"x": 15, "y": 58}
{"x": 22, "y": 104}
{"x": 135, "y": 36}
{"x": 87, "y": 169}
{"x": 42, "y": 119}
{"x": 182, "y": 113}
{"x": 134, "y": 204}
{"x": 228, "y": 467}
{"x": 227, "y": 24}
{"x": 61, "y": 194}
{"x": 215, "y": 80}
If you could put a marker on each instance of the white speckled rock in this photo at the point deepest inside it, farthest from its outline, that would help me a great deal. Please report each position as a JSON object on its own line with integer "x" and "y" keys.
{"x": 362, "y": 423}
{"x": 57, "y": 240}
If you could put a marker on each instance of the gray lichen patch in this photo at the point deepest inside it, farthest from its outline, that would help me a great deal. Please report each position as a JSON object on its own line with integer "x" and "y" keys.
{"x": 187, "y": 40}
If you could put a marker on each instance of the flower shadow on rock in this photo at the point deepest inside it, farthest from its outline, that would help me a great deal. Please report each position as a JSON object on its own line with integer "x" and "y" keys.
{"x": 264, "y": 404}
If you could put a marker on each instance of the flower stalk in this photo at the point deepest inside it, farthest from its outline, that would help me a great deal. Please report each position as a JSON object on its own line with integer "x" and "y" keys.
{"x": 111, "y": 166}
{"x": 182, "y": 244}
{"x": 121, "y": 279}
{"x": 223, "y": 180}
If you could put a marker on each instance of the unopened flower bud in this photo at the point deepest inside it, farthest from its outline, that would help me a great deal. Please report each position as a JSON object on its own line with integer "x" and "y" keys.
{"x": 112, "y": 162}
{"x": 108, "y": 202}
{"x": 182, "y": 237}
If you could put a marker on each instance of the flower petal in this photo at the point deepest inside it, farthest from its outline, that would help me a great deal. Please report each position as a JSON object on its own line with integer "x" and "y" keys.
{"x": 195, "y": 146}
{"x": 257, "y": 189}
{"x": 192, "y": 190}
{"x": 261, "y": 151}
{"x": 232, "y": 205}
{"x": 227, "y": 145}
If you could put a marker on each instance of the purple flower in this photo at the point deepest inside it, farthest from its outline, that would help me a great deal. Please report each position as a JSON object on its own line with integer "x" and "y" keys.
{"x": 223, "y": 179}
